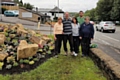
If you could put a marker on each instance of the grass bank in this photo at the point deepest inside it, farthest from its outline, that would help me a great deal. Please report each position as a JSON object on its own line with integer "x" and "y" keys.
{"x": 61, "y": 68}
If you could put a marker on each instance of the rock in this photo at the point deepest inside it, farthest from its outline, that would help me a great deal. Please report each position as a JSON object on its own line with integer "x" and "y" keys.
{"x": 37, "y": 40}
{"x": 45, "y": 38}
{"x": 2, "y": 38}
{"x": 14, "y": 27}
{"x": 26, "y": 50}
{"x": 23, "y": 42}
{"x": 20, "y": 26}
{"x": 21, "y": 31}
{"x": 3, "y": 56}
{"x": 32, "y": 32}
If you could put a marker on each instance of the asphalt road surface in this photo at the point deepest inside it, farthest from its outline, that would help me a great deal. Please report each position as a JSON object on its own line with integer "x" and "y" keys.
{"x": 109, "y": 43}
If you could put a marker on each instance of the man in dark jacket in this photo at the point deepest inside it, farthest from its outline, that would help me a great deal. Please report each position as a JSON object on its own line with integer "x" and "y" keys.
{"x": 86, "y": 33}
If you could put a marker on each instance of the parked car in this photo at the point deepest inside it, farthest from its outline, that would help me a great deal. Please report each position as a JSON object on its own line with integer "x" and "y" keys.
{"x": 106, "y": 26}
{"x": 92, "y": 22}
{"x": 11, "y": 13}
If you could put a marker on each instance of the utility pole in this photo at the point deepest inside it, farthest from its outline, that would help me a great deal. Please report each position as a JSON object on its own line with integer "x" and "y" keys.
{"x": 58, "y": 7}
{"x": 0, "y": 10}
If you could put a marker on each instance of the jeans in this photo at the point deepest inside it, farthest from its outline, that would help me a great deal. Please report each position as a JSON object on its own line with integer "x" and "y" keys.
{"x": 76, "y": 42}
{"x": 68, "y": 37}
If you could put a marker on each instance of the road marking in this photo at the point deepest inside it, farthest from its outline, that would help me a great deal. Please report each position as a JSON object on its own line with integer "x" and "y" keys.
{"x": 111, "y": 38}
{"x": 105, "y": 42}
{"x": 115, "y": 50}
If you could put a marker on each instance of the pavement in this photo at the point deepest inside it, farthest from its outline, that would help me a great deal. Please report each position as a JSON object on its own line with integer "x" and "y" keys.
{"x": 14, "y": 20}
{"x": 109, "y": 43}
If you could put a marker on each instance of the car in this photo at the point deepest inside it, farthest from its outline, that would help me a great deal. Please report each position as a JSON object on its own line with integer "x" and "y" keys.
{"x": 11, "y": 13}
{"x": 92, "y": 22}
{"x": 106, "y": 26}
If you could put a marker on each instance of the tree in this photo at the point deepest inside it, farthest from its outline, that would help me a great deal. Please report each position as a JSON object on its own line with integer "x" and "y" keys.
{"x": 115, "y": 12}
{"x": 103, "y": 9}
{"x": 91, "y": 14}
{"x": 28, "y": 6}
{"x": 16, "y": 1}
{"x": 21, "y": 3}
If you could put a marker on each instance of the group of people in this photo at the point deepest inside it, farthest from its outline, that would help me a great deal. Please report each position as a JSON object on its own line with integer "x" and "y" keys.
{"x": 78, "y": 31}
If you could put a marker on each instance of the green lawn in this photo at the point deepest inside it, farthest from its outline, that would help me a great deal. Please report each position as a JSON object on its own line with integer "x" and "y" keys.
{"x": 62, "y": 68}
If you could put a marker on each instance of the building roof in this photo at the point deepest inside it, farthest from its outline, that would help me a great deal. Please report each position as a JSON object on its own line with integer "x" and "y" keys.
{"x": 7, "y": 2}
{"x": 44, "y": 9}
{"x": 56, "y": 10}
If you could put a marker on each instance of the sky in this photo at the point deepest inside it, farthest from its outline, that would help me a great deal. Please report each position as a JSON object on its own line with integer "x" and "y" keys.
{"x": 65, "y": 5}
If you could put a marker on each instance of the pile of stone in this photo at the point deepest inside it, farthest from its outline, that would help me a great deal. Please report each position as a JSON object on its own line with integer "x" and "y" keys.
{"x": 20, "y": 46}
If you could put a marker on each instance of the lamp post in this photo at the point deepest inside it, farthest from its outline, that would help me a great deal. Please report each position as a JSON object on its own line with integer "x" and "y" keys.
{"x": 58, "y": 8}
{"x": 0, "y": 10}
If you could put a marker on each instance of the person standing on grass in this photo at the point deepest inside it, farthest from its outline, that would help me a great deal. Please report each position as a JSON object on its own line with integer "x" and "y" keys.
{"x": 86, "y": 34}
{"x": 67, "y": 30}
{"x": 80, "y": 18}
{"x": 58, "y": 35}
{"x": 75, "y": 31}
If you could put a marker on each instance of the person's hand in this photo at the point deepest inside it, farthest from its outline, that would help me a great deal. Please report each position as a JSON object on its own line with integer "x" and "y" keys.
{"x": 62, "y": 32}
{"x": 55, "y": 38}
{"x": 80, "y": 37}
{"x": 91, "y": 38}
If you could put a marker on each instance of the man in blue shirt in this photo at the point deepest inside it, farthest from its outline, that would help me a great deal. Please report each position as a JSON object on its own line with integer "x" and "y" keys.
{"x": 86, "y": 34}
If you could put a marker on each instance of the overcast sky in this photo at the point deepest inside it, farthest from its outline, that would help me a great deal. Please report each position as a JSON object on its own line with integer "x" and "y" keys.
{"x": 65, "y": 5}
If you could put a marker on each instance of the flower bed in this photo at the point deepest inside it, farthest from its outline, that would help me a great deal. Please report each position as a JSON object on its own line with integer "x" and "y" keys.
{"x": 22, "y": 49}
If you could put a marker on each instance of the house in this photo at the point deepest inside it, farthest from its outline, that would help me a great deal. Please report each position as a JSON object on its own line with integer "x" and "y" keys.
{"x": 9, "y": 5}
{"x": 53, "y": 13}
{"x": 32, "y": 15}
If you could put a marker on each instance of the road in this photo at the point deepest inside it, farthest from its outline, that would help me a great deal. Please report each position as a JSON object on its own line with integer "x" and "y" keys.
{"x": 109, "y": 43}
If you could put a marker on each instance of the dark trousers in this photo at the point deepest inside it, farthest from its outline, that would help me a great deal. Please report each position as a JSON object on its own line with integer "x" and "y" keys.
{"x": 76, "y": 43}
{"x": 58, "y": 43}
{"x": 85, "y": 43}
{"x": 70, "y": 39}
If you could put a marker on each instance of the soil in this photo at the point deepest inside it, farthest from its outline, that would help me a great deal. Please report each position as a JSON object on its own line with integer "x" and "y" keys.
{"x": 26, "y": 67}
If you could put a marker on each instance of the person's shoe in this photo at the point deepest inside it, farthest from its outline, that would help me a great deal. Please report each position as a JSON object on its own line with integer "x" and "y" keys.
{"x": 66, "y": 53}
{"x": 72, "y": 53}
{"x": 83, "y": 55}
{"x": 75, "y": 54}
{"x": 56, "y": 56}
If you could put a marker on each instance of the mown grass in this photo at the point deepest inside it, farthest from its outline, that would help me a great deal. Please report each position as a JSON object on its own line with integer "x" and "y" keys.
{"x": 61, "y": 68}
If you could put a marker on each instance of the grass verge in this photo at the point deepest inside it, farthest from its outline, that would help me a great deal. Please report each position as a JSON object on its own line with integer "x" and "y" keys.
{"x": 61, "y": 68}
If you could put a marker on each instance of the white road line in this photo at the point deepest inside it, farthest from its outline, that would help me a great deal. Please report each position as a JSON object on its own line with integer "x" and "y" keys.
{"x": 105, "y": 42}
{"x": 111, "y": 38}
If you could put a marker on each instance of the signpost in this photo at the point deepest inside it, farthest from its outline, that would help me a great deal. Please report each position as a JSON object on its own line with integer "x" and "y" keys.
{"x": 0, "y": 10}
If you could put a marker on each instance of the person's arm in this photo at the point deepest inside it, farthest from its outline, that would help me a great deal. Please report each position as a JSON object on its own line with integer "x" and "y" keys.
{"x": 80, "y": 32}
{"x": 54, "y": 31}
{"x": 92, "y": 31}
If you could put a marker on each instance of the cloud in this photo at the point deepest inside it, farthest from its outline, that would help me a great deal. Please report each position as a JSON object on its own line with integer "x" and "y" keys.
{"x": 66, "y": 5}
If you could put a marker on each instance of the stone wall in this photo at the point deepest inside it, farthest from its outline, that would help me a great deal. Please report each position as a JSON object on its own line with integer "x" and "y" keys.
{"x": 107, "y": 64}
{"x": 10, "y": 7}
